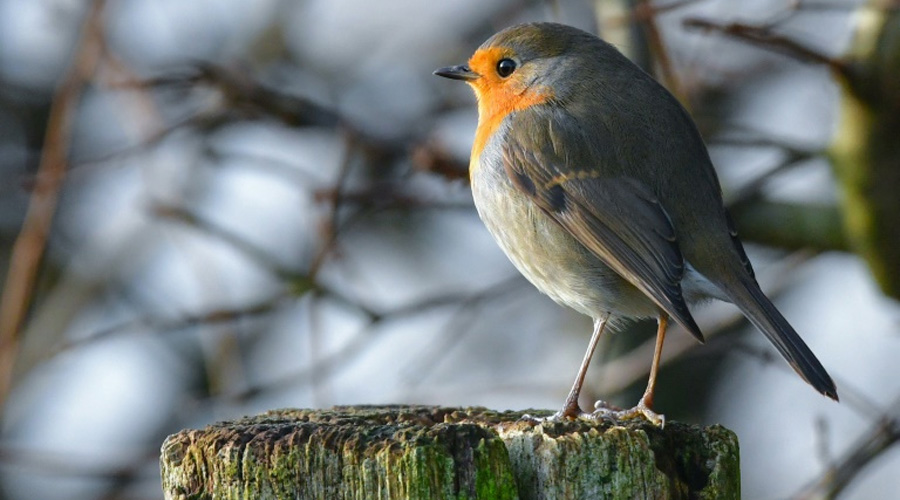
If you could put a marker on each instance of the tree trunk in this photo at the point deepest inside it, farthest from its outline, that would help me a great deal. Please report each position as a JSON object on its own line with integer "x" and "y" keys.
{"x": 865, "y": 152}
{"x": 421, "y": 452}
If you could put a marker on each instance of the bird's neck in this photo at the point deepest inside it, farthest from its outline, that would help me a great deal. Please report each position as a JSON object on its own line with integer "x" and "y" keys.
{"x": 495, "y": 104}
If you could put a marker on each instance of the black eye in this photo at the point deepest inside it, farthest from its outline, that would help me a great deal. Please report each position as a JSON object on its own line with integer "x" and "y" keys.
{"x": 506, "y": 67}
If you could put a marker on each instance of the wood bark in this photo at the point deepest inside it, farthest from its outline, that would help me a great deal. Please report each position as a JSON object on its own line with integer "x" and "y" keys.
{"x": 419, "y": 452}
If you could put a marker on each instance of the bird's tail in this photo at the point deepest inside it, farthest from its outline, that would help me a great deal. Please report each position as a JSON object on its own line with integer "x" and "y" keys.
{"x": 762, "y": 313}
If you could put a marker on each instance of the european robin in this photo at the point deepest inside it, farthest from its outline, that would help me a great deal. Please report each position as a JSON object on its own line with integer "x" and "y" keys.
{"x": 596, "y": 184}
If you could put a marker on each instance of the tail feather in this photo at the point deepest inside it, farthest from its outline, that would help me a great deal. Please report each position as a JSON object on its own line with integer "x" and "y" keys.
{"x": 763, "y": 314}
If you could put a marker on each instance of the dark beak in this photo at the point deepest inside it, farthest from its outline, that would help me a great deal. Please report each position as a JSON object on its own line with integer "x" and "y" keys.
{"x": 461, "y": 72}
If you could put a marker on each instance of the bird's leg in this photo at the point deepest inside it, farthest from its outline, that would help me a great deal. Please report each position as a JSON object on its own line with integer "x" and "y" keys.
{"x": 647, "y": 398}
{"x": 571, "y": 409}
{"x": 645, "y": 405}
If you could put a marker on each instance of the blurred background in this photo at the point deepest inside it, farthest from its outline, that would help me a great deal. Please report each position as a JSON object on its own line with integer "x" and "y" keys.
{"x": 213, "y": 208}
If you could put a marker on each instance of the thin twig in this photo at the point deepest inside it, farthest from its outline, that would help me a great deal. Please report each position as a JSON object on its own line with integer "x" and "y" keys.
{"x": 645, "y": 13}
{"x": 883, "y": 434}
{"x": 331, "y": 227}
{"x": 327, "y": 365}
{"x": 764, "y": 37}
{"x": 28, "y": 250}
{"x": 455, "y": 330}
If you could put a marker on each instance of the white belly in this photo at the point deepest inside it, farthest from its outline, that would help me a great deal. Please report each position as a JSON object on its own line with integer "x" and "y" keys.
{"x": 547, "y": 255}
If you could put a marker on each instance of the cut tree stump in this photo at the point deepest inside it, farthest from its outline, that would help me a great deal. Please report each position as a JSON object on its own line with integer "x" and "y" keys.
{"x": 428, "y": 453}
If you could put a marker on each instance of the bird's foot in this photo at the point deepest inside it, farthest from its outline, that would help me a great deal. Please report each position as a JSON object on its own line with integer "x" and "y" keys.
{"x": 570, "y": 411}
{"x": 604, "y": 410}
{"x": 556, "y": 417}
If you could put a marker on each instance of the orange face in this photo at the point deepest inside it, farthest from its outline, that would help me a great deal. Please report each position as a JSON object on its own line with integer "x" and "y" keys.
{"x": 501, "y": 88}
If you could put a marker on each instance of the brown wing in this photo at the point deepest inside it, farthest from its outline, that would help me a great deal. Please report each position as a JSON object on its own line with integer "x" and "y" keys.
{"x": 618, "y": 219}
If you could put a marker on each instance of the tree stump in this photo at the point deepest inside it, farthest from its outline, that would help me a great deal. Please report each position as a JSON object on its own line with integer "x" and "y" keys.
{"x": 428, "y": 453}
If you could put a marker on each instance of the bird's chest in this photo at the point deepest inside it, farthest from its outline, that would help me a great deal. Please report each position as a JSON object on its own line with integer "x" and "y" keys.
{"x": 545, "y": 253}
{"x": 528, "y": 236}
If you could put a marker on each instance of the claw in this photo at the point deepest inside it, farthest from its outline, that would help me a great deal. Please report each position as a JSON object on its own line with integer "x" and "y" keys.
{"x": 571, "y": 411}
{"x": 602, "y": 410}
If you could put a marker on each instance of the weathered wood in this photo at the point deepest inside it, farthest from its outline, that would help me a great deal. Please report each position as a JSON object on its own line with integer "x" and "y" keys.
{"x": 418, "y": 452}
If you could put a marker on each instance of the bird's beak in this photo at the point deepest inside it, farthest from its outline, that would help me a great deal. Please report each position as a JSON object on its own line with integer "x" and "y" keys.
{"x": 461, "y": 72}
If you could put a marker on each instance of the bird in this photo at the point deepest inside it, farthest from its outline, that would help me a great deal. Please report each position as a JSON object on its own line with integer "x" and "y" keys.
{"x": 596, "y": 183}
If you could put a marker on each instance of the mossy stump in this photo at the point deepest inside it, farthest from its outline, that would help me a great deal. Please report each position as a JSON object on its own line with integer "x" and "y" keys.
{"x": 428, "y": 453}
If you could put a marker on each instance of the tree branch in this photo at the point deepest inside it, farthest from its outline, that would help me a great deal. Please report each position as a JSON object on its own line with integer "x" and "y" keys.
{"x": 28, "y": 250}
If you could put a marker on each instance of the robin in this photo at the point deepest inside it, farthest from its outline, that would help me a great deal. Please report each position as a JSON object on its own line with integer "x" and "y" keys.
{"x": 596, "y": 184}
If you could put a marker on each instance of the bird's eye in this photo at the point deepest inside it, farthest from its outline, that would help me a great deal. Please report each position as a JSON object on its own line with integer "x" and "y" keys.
{"x": 506, "y": 67}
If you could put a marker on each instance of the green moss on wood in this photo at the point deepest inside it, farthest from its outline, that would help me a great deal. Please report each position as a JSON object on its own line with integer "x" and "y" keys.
{"x": 589, "y": 460}
{"x": 445, "y": 453}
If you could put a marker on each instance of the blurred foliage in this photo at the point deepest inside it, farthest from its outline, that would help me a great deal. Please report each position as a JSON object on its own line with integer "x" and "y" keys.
{"x": 866, "y": 152}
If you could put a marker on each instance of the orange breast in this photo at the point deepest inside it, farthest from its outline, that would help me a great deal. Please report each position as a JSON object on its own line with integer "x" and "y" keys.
{"x": 498, "y": 97}
{"x": 495, "y": 103}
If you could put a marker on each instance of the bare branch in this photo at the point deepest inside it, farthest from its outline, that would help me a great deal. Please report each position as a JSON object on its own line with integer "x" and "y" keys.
{"x": 764, "y": 37}
{"x": 28, "y": 250}
{"x": 883, "y": 434}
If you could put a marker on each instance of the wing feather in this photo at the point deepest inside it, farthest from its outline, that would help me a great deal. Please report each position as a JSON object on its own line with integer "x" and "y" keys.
{"x": 617, "y": 218}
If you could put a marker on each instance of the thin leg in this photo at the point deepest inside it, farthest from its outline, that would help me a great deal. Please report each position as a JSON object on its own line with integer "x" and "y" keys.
{"x": 647, "y": 399}
{"x": 571, "y": 409}
{"x": 645, "y": 405}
